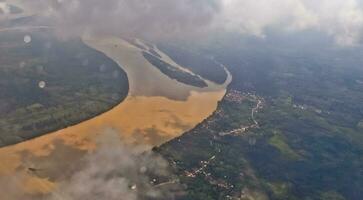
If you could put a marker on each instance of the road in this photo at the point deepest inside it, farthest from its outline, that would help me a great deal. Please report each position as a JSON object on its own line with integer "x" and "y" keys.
{"x": 255, "y": 122}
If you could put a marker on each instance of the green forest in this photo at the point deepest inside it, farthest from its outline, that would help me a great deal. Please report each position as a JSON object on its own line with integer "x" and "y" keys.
{"x": 47, "y": 84}
{"x": 308, "y": 144}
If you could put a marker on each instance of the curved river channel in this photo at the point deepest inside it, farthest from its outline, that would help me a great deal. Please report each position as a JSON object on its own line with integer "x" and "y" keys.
{"x": 156, "y": 110}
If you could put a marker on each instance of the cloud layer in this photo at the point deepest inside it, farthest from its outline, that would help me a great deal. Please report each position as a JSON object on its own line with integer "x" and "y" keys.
{"x": 140, "y": 18}
{"x": 115, "y": 171}
{"x": 342, "y": 19}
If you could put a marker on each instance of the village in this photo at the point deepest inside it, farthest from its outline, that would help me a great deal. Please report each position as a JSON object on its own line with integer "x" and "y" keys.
{"x": 204, "y": 165}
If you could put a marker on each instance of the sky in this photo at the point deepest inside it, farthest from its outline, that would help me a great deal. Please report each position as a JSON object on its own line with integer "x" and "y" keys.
{"x": 158, "y": 19}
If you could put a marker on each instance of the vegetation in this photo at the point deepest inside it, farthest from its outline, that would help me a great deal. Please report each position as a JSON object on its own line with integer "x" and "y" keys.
{"x": 174, "y": 72}
{"x": 197, "y": 63}
{"x": 279, "y": 142}
{"x": 308, "y": 144}
{"x": 48, "y": 84}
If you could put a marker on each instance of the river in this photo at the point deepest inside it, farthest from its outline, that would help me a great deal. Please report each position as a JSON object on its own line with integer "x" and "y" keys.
{"x": 156, "y": 110}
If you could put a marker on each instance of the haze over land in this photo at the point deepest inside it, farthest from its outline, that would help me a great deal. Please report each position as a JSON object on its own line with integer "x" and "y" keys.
{"x": 160, "y": 105}
{"x": 287, "y": 126}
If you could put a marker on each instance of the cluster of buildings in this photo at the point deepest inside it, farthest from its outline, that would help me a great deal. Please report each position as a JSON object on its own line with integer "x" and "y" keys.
{"x": 235, "y": 96}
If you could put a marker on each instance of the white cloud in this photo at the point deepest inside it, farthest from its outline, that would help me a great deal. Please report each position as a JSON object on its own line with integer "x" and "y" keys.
{"x": 342, "y": 19}
{"x": 4, "y": 8}
{"x": 113, "y": 171}
{"x": 116, "y": 171}
{"x": 141, "y": 18}
{"x": 253, "y": 17}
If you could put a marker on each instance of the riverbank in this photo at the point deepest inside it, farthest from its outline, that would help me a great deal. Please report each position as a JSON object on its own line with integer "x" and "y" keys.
{"x": 156, "y": 110}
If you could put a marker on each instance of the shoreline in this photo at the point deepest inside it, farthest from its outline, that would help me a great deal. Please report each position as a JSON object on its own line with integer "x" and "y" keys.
{"x": 106, "y": 105}
{"x": 148, "y": 120}
{"x": 130, "y": 95}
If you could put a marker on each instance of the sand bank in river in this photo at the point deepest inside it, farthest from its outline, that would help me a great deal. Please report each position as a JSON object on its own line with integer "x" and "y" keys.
{"x": 156, "y": 110}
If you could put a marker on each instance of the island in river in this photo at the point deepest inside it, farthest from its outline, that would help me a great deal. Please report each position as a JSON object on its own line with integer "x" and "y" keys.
{"x": 157, "y": 108}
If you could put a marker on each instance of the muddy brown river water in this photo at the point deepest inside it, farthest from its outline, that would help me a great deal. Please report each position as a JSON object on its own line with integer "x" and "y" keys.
{"x": 156, "y": 110}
